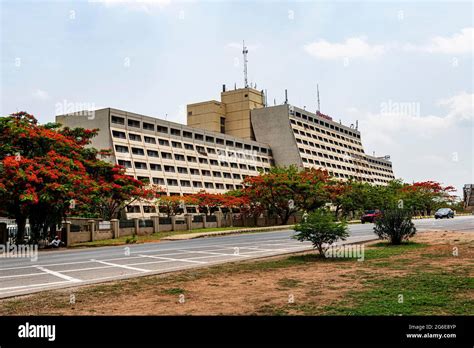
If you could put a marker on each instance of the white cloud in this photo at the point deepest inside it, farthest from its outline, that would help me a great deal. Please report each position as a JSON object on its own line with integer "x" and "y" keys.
{"x": 354, "y": 47}
{"x": 458, "y": 43}
{"x": 460, "y": 106}
{"x": 399, "y": 122}
{"x": 40, "y": 94}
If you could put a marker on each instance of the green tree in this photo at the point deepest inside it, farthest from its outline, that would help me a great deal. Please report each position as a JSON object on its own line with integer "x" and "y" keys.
{"x": 321, "y": 229}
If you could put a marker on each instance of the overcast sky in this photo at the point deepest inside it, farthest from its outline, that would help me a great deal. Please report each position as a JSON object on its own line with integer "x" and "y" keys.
{"x": 403, "y": 70}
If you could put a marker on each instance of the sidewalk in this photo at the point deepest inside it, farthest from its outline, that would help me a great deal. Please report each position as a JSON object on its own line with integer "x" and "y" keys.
{"x": 237, "y": 230}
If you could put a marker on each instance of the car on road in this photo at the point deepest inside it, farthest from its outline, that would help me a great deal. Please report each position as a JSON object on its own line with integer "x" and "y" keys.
{"x": 444, "y": 213}
{"x": 370, "y": 216}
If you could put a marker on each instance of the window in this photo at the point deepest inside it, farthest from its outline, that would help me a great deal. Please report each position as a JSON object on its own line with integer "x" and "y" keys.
{"x": 166, "y": 155}
{"x": 216, "y": 174}
{"x": 118, "y": 120}
{"x": 126, "y": 164}
{"x": 179, "y": 157}
{"x": 229, "y": 187}
{"x": 148, "y": 126}
{"x": 169, "y": 169}
{"x": 147, "y": 209}
{"x": 182, "y": 170}
{"x": 144, "y": 179}
{"x": 220, "y": 186}
{"x": 121, "y": 149}
{"x": 172, "y": 182}
{"x": 239, "y": 145}
{"x": 133, "y": 209}
{"x": 150, "y": 140}
{"x": 194, "y": 171}
{"x": 152, "y": 153}
{"x": 223, "y": 125}
{"x": 236, "y": 176}
{"x": 214, "y": 162}
{"x": 154, "y": 166}
{"x": 163, "y": 142}
{"x": 203, "y": 160}
{"x": 211, "y": 150}
{"x": 210, "y": 139}
{"x": 206, "y": 172}
{"x": 185, "y": 183}
{"x": 188, "y": 146}
{"x": 162, "y": 129}
{"x": 209, "y": 185}
{"x": 134, "y": 137}
{"x": 198, "y": 136}
{"x": 191, "y": 159}
{"x": 197, "y": 184}
{"x": 219, "y": 141}
{"x": 187, "y": 134}
{"x": 117, "y": 134}
{"x": 140, "y": 165}
{"x": 201, "y": 150}
{"x": 175, "y": 131}
{"x": 227, "y": 175}
{"x": 229, "y": 143}
{"x": 176, "y": 144}
{"x": 134, "y": 123}
{"x": 138, "y": 151}
{"x": 158, "y": 181}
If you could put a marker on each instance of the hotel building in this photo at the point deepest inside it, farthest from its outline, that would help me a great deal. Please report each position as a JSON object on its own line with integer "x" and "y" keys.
{"x": 225, "y": 141}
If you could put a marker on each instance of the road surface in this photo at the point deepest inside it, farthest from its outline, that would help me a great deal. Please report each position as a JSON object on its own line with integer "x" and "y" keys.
{"x": 69, "y": 268}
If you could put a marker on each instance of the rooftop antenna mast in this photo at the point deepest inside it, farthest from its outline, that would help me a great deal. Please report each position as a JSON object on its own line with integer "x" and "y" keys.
{"x": 319, "y": 104}
{"x": 245, "y": 51}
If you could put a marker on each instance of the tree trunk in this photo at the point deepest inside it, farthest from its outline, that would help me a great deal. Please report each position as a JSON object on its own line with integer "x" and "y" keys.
{"x": 21, "y": 226}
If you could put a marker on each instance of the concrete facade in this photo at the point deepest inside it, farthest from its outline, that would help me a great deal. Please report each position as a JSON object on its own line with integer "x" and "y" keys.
{"x": 181, "y": 159}
{"x": 306, "y": 139}
{"x": 230, "y": 116}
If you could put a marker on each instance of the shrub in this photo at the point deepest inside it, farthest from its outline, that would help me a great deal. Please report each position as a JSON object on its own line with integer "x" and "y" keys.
{"x": 320, "y": 229}
{"x": 395, "y": 225}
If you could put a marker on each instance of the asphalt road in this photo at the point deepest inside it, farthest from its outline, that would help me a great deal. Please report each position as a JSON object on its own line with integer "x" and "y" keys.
{"x": 70, "y": 268}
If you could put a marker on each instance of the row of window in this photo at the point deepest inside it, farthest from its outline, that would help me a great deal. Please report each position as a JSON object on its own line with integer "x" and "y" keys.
{"x": 342, "y": 167}
{"x": 182, "y": 133}
{"x": 380, "y": 163}
{"x": 189, "y": 183}
{"x": 327, "y": 125}
{"x": 231, "y": 155}
{"x": 192, "y": 171}
{"x": 314, "y": 136}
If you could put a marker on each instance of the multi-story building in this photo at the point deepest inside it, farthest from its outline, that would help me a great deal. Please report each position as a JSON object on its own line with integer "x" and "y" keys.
{"x": 181, "y": 159}
{"x": 226, "y": 141}
{"x": 297, "y": 136}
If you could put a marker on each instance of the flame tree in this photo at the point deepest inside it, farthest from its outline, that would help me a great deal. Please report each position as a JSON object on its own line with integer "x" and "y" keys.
{"x": 48, "y": 173}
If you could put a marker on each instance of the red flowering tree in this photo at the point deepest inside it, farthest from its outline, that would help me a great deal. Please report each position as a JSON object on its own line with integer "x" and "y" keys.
{"x": 48, "y": 173}
{"x": 286, "y": 190}
{"x": 426, "y": 195}
{"x": 208, "y": 202}
{"x": 173, "y": 205}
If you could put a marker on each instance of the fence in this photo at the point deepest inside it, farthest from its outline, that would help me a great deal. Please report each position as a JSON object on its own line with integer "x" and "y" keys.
{"x": 79, "y": 230}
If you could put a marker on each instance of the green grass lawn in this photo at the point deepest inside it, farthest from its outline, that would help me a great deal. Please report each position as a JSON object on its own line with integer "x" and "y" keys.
{"x": 408, "y": 279}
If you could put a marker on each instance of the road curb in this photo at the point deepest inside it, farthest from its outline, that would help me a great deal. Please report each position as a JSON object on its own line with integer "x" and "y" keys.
{"x": 227, "y": 232}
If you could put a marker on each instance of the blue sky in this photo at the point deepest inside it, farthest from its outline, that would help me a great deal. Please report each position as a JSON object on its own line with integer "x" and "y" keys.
{"x": 404, "y": 70}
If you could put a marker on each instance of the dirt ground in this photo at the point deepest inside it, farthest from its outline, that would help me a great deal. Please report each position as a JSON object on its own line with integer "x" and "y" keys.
{"x": 246, "y": 288}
